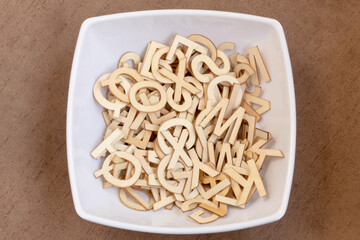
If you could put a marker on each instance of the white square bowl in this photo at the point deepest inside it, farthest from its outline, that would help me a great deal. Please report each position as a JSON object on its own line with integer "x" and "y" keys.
{"x": 102, "y": 40}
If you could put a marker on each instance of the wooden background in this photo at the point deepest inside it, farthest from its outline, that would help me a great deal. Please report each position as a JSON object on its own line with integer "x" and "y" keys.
{"x": 37, "y": 41}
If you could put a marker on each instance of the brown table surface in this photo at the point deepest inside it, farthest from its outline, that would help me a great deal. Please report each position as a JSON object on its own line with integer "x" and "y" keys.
{"x": 37, "y": 41}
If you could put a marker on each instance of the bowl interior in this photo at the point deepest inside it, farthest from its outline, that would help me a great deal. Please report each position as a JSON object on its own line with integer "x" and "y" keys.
{"x": 102, "y": 41}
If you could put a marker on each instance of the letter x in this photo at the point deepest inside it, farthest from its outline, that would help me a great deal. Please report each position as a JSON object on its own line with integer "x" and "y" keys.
{"x": 178, "y": 148}
{"x": 179, "y": 83}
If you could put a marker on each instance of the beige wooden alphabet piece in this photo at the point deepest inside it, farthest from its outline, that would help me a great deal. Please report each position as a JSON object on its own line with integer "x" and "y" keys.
{"x": 181, "y": 175}
{"x": 156, "y": 61}
{"x": 106, "y": 168}
{"x": 106, "y": 118}
{"x": 203, "y": 140}
{"x": 203, "y": 100}
{"x": 152, "y": 127}
{"x": 128, "y": 203}
{"x": 178, "y": 129}
{"x": 155, "y": 193}
{"x": 113, "y": 125}
{"x": 202, "y": 220}
{"x": 254, "y": 177}
{"x": 163, "y": 202}
{"x": 226, "y": 135}
{"x": 198, "y": 147}
{"x": 226, "y": 46}
{"x": 118, "y": 167}
{"x": 106, "y": 144}
{"x": 106, "y": 185}
{"x": 204, "y": 59}
{"x": 248, "y": 71}
{"x": 139, "y": 199}
{"x": 124, "y": 87}
{"x": 249, "y": 110}
{"x": 255, "y": 58}
{"x": 178, "y": 204}
{"x": 152, "y": 157}
{"x": 161, "y": 177}
{"x": 193, "y": 194}
{"x": 149, "y": 108}
{"x": 235, "y": 187}
{"x": 225, "y": 152}
{"x": 143, "y": 183}
{"x": 179, "y": 84}
{"x": 216, "y": 189}
{"x": 262, "y": 134}
{"x": 166, "y": 64}
{"x": 258, "y": 145}
{"x": 220, "y": 211}
{"x": 187, "y": 188}
{"x": 236, "y": 90}
{"x": 206, "y": 204}
{"x": 152, "y": 180}
{"x": 157, "y": 149}
{"x": 206, "y": 42}
{"x": 179, "y": 107}
{"x": 203, "y": 114}
{"x": 248, "y": 155}
{"x": 169, "y": 206}
{"x": 127, "y": 121}
{"x": 234, "y": 149}
{"x": 163, "y": 193}
{"x": 191, "y": 111}
{"x": 138, "y": 121}
{"x": 179, "y": 197}
{"x": 113, "y": 80}
{"x": 239, "y": 152}
{"x": 132, "y": 56}
{"x": 220, "y": 128}
{"x": 197, "y": 167}
{"x": 178, "y": 148}
{"x": 229, "y": 201}
{"x": 263, "y": 153}
{"x": 224, "y": 79}
{"x": 116, "y": 105}
{"x": 130, "y": 168}
{"x": 208, "y": 130}
{"x": 232, "y": 58}
{"x": 209, "y": 113}
{"x": 236, "y": 176}
{"x": 120, "y": 146}
{"x": 171, "y": 123}
{"x": 190, "y": 194}
{"x": 251, "y": 130}
{"x": 254, "y": 173}
{"x": 153, "y": 118}
{"x": 218, "y": 147}
{"x": 191, "y": 47}
{"x": 264, "y": 104}
{"x": 145, "y": 165}
{"x": 150, "y": 51}
{"x": 256, "y": 92}
{"x": 242, "y": 59}
{"x": 189, "y": 205}
{"x": 211, "y": 152}
{"x": 252, "y": 191}
{"x": 197, "y": 84}
{"x": 137, "y": 142}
